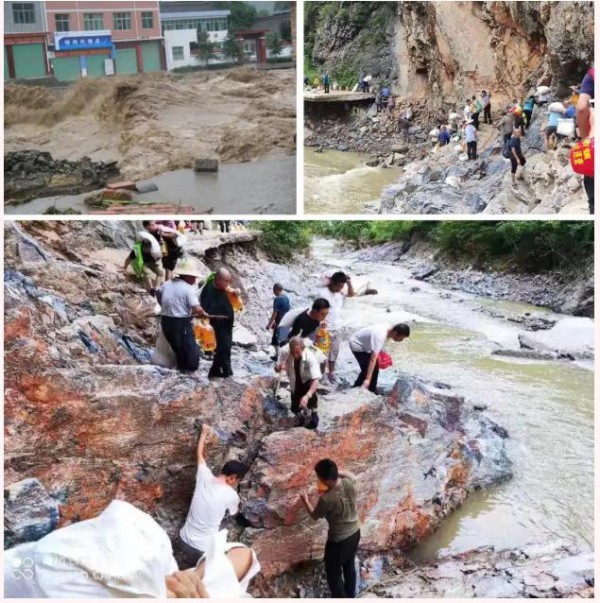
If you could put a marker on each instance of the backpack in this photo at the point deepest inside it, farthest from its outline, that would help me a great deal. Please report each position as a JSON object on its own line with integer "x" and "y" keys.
{"x": 138, "y": 262}
{"x": 506, "y": 150}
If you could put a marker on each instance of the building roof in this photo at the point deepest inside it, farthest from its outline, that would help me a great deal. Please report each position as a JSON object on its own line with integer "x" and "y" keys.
{"x": 197, "y": 14}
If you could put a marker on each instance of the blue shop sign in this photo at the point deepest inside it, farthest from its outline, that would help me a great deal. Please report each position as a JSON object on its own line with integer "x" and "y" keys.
{"x": 85, "y": 40}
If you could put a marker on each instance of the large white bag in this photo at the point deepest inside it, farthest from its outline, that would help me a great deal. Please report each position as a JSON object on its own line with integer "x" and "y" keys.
{"x": 155, "y": 250}
{"x": 566, "y": 127}
{"x": 163, "y": 355}
{"x": 543, "y": 90}
{"x": 289, "y": 317}
{"x": 556, "y": 107}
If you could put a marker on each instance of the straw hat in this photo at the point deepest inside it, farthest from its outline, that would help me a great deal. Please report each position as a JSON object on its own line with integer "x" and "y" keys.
{"x": 186, "y": 268}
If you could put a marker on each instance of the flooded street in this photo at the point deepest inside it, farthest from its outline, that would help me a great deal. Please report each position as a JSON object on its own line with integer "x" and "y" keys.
{"x": 340, "y": 182}
{"x": 234, "y": 189}
{"x": 546, "y": 406}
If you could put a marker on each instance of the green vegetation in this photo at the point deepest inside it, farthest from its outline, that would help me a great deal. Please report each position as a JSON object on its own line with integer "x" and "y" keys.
{"x": 242, "y": 14}
{"x": 232, "y": 48}
{"x": 281, "y": 241}
{"x": 530, "y": 246}
{"x": 274, "y": 44}
{"x": 205, "y": 46}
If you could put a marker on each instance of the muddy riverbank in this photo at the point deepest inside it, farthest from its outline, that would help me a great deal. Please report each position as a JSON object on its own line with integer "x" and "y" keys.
{"x": 446, "y": 392}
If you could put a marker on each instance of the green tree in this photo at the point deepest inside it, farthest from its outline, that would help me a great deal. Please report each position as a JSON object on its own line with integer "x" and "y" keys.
{"x": 285, "y": 31}
{"x": 242, "y": 14}
{"x": 281, "y": 241}
{"x": 274, "y": 44}
{"x": 205, "y": 46}
{"x": 232, "y": 49}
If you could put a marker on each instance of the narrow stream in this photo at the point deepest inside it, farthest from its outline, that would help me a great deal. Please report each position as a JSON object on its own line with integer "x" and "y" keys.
{"x": 547, "y": 407}
{"x": 340, "y": 182}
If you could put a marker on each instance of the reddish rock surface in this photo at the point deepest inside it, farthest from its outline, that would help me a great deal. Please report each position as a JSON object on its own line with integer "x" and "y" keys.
{"x": 87, "y": 416}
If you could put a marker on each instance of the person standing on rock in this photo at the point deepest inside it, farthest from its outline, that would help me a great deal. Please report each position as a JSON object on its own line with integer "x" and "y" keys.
{"x": 528, "y": 107}
{"x": 215, "y": 301}
{"x": 486, "y": 101}
{"x": 366, "y": 345}
{"x": 584, "y": 118}
{"x": 304, "y": 373}
{"x": 326, "y": 82}
{"x": 444, "y": 136}
{"x": 336, "y": 296}
{"x": 467, "y": 110}
{"x": 337, "y": 504}
{"x": 178, "y": 301}
{"x": 281, "y": 305}
{"x": 213, "y": 498}
{"x": 516, "y": 156}
{"x": 170, "y": 237}
{"x": 471, "y": 139}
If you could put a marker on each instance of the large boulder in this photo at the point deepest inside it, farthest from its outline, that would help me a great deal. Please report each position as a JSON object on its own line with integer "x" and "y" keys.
{"x": 416, "y": 454}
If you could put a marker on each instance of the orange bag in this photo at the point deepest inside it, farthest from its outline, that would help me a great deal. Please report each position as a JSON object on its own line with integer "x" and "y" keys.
{"x": 582, "y": 157}
{"x": 234, "y": 299}
{"x": 205, "y": 335}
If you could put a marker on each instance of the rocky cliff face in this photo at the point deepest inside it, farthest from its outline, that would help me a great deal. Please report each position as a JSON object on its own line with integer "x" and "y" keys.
{"x": 88, "y": 419}
{"x": 444, "y": 51}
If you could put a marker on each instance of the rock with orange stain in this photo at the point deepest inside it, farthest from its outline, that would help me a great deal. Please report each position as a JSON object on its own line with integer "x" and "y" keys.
{"x": 413, "y": 468}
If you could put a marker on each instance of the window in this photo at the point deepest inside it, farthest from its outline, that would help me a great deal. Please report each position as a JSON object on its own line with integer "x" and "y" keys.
{"x": 23, "y": 13}
{"x": 93, "y": 21}
{"x": 178, "y": 53}
{"x": 121, "y": 21}
{"x": 62, "y": 22}
{"x": 147, "y": 20}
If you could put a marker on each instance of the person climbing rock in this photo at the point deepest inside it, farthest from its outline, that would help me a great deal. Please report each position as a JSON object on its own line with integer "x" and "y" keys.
{"x": 528, "y": 107}
{"x": 170, "y": 237}
{"x": 337, "y": 504}
{"x": 178, "y": 301}
{"x": 467, "y": 110}
{"x": 301, "y": 364}
{"x": 307, "y": 323}
{"x": 144, "y": 261}
{"x": 404, "y": 123}
{"x": 214, "y": 300}
{"x": 550, "y": 133}
{"x": 339, "y": 288}
{"x": 471, "y": 140}
{"x": 475, "y": 108}
{"x": 444, "y": 136}
{"x": 516, "y": 156}
{"x": 506, "y": 127}
{"x": 326, "y": 80}
{"x": 213, "y": 498}
{"x": 281, "y": 305}
{"x": 585, "y": 125}
{"x": 486, "y": 101}
{"x": 518, "y": 117}
{"x": 366, "y": 345}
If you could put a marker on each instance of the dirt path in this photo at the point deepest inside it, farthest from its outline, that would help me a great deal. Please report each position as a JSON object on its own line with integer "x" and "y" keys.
{"x": 157, "y": 122}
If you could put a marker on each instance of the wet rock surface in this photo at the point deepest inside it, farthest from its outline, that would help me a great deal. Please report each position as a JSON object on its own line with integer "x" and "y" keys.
{"x": 32, "y": 174}
{"x": 91, "y": 420}
{"x": 542, "y": 571}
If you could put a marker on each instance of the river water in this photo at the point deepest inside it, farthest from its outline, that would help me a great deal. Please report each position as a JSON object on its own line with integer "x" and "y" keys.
{"x": 266, "y": 186}
{"x": 547, "y": 407}
{"x": 340, "y": 182}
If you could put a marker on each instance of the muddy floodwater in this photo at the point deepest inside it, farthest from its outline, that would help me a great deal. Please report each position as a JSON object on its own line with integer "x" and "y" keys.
{"x": 546, "y": 406}
{"x": 340, "y": 182}
{"x": 266, "y": 186}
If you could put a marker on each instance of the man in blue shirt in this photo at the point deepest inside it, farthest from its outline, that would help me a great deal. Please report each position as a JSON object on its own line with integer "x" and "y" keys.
{"x": 281, "y": 305}
{"x": 444, "y": 136}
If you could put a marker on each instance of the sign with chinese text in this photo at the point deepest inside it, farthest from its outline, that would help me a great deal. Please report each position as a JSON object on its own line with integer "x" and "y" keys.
{"x": 82, "y": 40}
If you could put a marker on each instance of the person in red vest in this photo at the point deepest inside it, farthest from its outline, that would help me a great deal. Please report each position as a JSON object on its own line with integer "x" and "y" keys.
{"x": 585, "y": 122}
